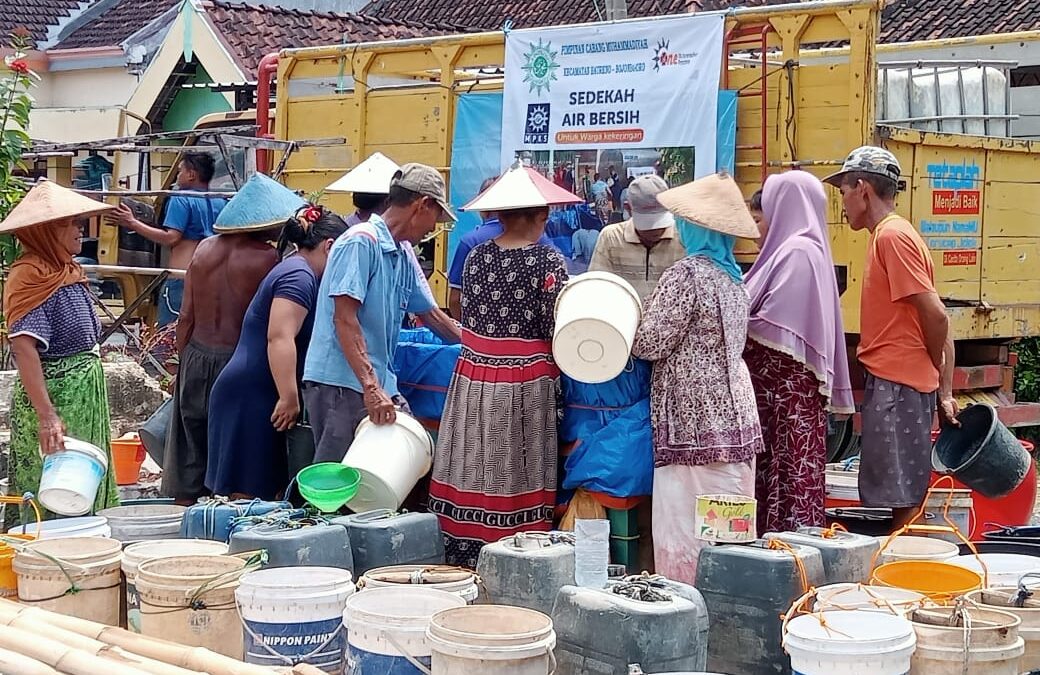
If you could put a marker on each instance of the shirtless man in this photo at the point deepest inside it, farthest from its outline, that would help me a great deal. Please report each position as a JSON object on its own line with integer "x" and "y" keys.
{"x": 188, "y": 221}
{"x": 221, "y": 281}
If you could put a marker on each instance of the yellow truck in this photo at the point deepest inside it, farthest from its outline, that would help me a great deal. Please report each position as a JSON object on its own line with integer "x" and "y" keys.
{"x": 800, "y": 106}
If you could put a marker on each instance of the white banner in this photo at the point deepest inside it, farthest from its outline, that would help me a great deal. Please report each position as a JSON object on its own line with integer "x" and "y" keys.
{"x": 635, "y": 84}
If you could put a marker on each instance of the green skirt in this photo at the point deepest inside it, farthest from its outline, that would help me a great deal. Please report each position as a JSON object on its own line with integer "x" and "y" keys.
{"x": 76, "y": 385}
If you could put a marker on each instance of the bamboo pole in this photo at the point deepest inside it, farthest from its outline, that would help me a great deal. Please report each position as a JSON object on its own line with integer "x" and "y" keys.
{"x": 89, "y": 645}
{"x": 61, "y": 657}
{"x": 188, "y": 658}
{"x": 13, "y": 663}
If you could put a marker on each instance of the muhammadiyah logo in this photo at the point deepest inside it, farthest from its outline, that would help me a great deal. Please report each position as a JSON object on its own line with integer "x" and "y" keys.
{"x": 540, "y": 67}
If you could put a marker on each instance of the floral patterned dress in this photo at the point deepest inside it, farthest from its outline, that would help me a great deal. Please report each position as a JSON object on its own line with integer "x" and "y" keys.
{"x": 705, "y": 423}
{"x": 494, "y": 471}
{"x": 791, "y": 481}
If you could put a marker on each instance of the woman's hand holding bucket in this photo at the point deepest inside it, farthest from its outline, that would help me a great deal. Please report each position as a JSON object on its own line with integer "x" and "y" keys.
{"x": 52, "y": 434}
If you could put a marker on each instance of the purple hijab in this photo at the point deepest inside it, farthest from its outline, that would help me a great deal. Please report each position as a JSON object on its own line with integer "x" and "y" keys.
{"x": 794, "y": 294}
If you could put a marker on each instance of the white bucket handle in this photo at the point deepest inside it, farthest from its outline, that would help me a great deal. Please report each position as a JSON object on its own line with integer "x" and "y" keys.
{"x": 289, "y": 661}
{"x": 374, "y": 515}
{"x": 404, "y": 652}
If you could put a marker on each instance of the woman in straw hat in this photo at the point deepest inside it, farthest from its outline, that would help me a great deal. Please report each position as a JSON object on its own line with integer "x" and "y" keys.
{"x": 796, "y": 351}
{"x": 494, "y": 471}
{"x": 694, "y": 328}
{"x": 54, "y": 334}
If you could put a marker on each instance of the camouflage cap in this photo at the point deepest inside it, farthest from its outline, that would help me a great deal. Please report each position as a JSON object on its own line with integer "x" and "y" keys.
{"x": 868, "y": 159}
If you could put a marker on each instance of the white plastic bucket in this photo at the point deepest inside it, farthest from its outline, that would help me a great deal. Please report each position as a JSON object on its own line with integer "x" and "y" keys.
{"x": 1001, "y": 599}
{"x": 491, "y": 640}
{"x": 294, "y": 615}
{"x": 396, "y": 576}
{"x": 885, "y": 599}
{"x": 850, "y": 643}
{"x": 991, "y": 646}
{"x": 142, "y": 551}
{"x": 144, "y": 522}
{"x": 71, "y": 478}
{"x": 960, "y": 511}
{"x": 1002, "y": 569}
{"x": 77, "y": 576}
{"x": 61, "y": 528}
{"x": 191, "y": 600}
{"x": 919, "y": 549}
{"x": 386, "y": 629}
{"x": 597, "y": 314}
{"x": 391, "y": 458}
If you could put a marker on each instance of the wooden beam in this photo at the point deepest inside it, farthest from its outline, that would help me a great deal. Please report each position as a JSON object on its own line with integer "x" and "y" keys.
{"x": 274, "y": 144}
{"x": 143, "y": 138}
{"x": 191, "y": 194}
{"x": 104, "y": 270}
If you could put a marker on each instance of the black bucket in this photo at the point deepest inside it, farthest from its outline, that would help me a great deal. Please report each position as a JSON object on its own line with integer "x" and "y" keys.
{"x": 982, "y": 453}
{"x": 1024, "y": 534}
{"x": 1016, "y": 548}
{"x": 153, "y": 432}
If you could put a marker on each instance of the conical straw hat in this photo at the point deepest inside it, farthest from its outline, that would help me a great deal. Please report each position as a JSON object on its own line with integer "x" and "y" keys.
{"x": 521, "y": 187}
{"x": 48, "y": 202}
{"x": 371, "y": 176}
{"x": 261, "y": 204}
{"x": 713, "y": 202}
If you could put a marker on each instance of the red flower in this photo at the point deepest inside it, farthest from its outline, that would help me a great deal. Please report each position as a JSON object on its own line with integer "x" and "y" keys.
{"x": 19, "y": 66}
{"x": 21, "y": 32}
{"x": 550, "y": 282}
{"x": 311, "y": 214}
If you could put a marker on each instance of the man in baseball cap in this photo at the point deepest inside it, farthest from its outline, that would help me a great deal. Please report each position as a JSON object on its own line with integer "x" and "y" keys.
{"x": 368, "y": 285}
{"x": 641, "y": 248}
{"x": 905, "y": 344}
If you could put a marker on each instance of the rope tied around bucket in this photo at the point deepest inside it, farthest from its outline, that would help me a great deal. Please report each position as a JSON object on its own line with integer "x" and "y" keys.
{"x": 877, "y": 600}
{"x": 833, "y": 531}
{"x": 219, "y": 581}
{"x": 644, "y": 587}
{"x": 62, "y": 565}
{"x": 1024, "y": 592}
{"x": 539, "y": 539}
{"x": 803, "y": 576}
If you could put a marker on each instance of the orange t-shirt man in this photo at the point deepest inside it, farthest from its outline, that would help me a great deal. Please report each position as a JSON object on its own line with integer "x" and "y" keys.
{"x": 892, "y": 345}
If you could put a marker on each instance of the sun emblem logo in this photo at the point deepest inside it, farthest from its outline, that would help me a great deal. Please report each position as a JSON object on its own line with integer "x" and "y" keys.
{"x": 540, "y": 67}
{"x": 538, "y": 117}
{"x": 661, "y": 55}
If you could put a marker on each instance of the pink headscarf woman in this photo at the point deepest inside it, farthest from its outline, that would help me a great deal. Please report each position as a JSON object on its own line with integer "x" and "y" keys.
{"x": 795, "y": 351}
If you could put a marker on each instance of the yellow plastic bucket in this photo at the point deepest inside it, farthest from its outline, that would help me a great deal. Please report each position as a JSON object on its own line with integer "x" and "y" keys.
{"x": 940, "y": 582}
{"x": 8, "y": 579}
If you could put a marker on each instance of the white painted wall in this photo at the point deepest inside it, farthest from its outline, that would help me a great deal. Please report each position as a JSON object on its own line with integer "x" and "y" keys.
{"x": 80, "y": 105}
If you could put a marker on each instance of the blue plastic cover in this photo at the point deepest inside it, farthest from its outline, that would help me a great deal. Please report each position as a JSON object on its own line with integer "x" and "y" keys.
{"x": 611, "y": 422}
{"x": 424, "y": 366}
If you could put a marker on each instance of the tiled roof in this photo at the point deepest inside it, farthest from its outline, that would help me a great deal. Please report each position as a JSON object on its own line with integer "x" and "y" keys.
{"x": 912, "y": 20}
{"x": 116, "y": 24}
{"x": 250, "y": 31}
{"x": 902, "y": 20}
{"x": 492, "y": 14}
{"x": 37, "y": 16}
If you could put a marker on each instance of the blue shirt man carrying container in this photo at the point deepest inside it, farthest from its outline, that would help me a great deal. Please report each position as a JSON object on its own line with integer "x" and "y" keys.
{"x": 368, "y": 286}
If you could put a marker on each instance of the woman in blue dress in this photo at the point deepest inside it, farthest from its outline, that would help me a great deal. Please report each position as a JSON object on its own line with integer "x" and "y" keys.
{"x": 256, "y": 399}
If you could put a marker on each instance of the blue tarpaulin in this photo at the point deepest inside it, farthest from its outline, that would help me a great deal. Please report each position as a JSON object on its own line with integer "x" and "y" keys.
{"x": 611, "y": 423}
{"x": 424, "y": 365}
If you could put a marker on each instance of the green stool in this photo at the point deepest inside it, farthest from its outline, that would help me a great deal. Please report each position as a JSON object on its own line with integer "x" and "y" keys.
{"x": 624, "y": 538}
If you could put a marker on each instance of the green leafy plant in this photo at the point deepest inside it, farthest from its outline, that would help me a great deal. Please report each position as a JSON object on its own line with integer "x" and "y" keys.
{"x": 15, "y": 105}
{"x": 1027, "y": 380}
